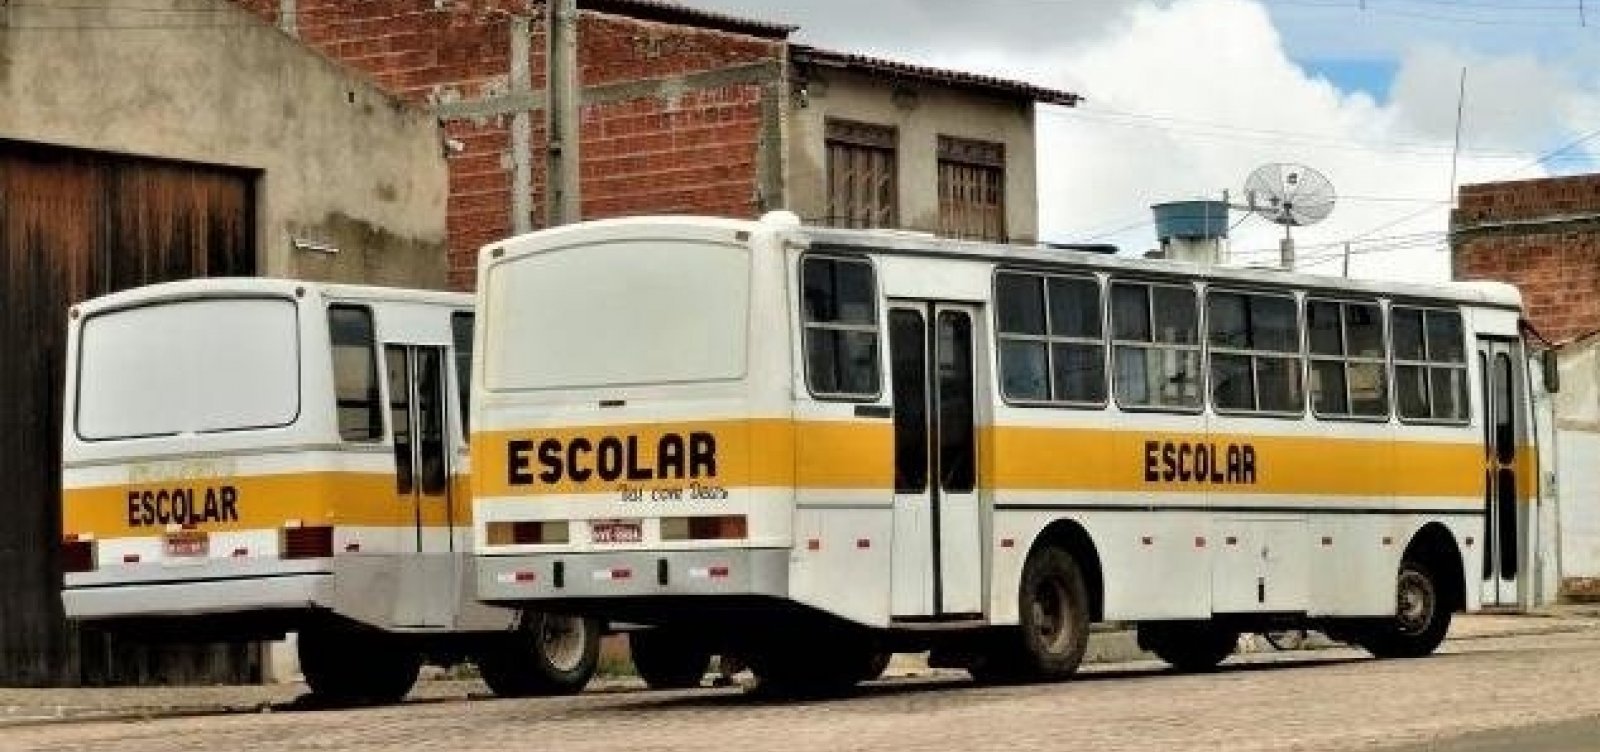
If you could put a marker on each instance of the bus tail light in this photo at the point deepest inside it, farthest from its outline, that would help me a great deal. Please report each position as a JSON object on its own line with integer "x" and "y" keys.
{"x": 527, "y": 532}
{"x": 77, "y": 554}
{"x": 307, "y": 542}
{"x": 721, "y": 527}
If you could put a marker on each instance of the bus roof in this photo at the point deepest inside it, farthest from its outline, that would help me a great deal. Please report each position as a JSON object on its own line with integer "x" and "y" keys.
{"x": 1486, "y": 293}
{"x": 897, "y": 242}
{"x": 227, "y": 286}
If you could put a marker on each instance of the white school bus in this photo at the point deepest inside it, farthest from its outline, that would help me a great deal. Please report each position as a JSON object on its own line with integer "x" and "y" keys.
{"x": 244, "y": 458}
{"x": 809, "y": 446}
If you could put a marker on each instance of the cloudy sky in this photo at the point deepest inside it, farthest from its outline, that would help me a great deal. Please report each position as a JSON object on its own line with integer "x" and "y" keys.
{"x": 1185, "y": 97}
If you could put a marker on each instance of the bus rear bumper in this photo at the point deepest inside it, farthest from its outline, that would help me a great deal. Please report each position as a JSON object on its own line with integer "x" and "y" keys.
{"x": 521, "y": 578}
{"x": 179, "y": 598}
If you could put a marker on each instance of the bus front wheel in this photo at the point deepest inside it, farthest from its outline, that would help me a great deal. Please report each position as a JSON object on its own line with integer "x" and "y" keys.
{"x": 1053, "y": 629}
{"x": 1421, "y": 620}
{"x": 348, "y": 666}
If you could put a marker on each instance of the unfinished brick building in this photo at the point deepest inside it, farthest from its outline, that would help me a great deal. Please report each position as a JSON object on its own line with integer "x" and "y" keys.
{"x": 1544, "y": 237}
{"x": 687, "y": 111}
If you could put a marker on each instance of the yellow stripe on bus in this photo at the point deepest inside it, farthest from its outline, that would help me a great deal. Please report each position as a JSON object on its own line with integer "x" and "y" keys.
{"x": 778, "y": 453}
{"x": 258, "y": 502}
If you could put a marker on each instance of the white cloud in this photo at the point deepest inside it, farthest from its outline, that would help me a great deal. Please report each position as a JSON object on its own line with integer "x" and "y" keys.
{"x": 1185, "y": 97}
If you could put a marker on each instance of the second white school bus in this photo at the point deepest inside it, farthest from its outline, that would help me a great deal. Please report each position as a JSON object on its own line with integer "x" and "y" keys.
{"x": 808, "y": 446}
{"x": 243, "y": 458}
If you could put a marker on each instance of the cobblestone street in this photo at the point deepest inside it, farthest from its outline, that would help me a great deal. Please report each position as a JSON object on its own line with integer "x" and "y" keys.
{"x": 1322, "y": 700}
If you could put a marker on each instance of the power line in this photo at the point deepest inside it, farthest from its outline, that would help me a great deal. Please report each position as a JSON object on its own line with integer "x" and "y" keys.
{"x": 1541, "y": 159}
{"x": 1260, "y": 136}
{"x": 1573, "y": 12}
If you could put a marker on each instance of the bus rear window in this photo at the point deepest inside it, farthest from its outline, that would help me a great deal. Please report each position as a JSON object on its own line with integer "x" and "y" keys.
{"x": 617, "y": 314}
{"x": 196, "y": 366}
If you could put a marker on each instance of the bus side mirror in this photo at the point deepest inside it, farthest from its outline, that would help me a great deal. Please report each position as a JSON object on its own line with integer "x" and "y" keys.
{"x": 1550, "y": 369}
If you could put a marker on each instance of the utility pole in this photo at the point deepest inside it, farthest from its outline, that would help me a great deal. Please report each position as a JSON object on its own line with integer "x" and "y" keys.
{"x": 1455, "y": 153}
{"x": 1347, "y": 260}
{"x": 562, "y": 196}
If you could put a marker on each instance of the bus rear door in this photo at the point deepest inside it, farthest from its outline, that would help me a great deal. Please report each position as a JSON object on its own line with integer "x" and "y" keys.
{"x": 938, "y": 525}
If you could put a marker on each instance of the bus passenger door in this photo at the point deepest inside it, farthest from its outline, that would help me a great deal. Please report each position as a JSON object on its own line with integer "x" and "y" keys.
{"x": 1506, "y": 515}
{"x": 938, "y": 525}
{"x": 418, "y": 404}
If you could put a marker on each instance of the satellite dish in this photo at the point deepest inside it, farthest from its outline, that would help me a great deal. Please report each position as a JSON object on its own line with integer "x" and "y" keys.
{"x": 1291, "y": 195}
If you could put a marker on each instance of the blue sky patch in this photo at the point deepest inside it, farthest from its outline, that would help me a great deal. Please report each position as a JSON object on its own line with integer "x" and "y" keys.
{"x": 1371, "y": 76}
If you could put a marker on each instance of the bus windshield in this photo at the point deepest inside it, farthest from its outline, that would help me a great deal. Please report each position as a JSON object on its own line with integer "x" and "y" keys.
{"x": 617, "y": 314}
{"x": 194, "y": 366}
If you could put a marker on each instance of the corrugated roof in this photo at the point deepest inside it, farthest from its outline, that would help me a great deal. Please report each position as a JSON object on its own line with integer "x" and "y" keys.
{"x": 804, "y": 54}
{"x": 675, "y": 13}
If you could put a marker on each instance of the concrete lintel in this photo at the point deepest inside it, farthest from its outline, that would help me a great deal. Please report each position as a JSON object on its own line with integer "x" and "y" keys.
{"x": 514, "y": 102}
{"x": 748, "y": 73}
{"x": 1557, "y": 223}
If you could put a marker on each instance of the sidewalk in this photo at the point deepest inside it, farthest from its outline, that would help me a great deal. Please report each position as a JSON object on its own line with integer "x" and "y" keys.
{"x": 1106, "y": 647}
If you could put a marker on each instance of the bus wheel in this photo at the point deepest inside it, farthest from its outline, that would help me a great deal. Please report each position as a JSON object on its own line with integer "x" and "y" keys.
{"x": 1188, "y": 646}
{"x": 545, "y": 654}
{"x": 831, "y": 669}
{"x": 1421, "y": 619}
{"x": 668, "y": 659}
{"x": 347, "y": 666}
{"x": 1053, "y": 603}
{"x": 875, "y": 665}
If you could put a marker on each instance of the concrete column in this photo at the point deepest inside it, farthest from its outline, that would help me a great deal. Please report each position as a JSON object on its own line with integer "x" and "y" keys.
{"x": 562, "y": 173}
{"x": 521, "y": 123}
{"x": 289, "y": 17}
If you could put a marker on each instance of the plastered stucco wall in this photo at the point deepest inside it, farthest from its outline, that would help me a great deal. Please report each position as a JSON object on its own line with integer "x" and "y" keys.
{"x": 338, "y": 162}
{"x": 920, "y": 114}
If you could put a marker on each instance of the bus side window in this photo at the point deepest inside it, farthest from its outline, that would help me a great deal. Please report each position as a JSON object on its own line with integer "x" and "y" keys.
{"x": 1155, "y": 332}
{"x": 461, "y": 334}
{"x": 1347, "y": 359}
{"x": 1051, "y": 350}
{"x": 1254, "y": 350}
{"x": 1430, "y": 364}
{"x": 840, "y": 321}
{"x": 355, "y": 373}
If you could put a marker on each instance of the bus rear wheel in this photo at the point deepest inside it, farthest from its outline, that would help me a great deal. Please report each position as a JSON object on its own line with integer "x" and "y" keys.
{"x": 831, "y": 668}
{"x": 1049, "y": 642}
{"x": 545, "y": 654}
{"x": 1421, "y": 618}
{"x": 1188, "y": 646}
{"x": 348, "y": 666}
{"x": 668, "y": 659}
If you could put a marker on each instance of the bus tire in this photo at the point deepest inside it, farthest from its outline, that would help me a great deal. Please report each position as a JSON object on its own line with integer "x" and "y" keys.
{"x": 1188, "y": 646}
{"x": 1049, "y": 642}
{"x": 1421, "y": 618}
{"x": 544, "y": 655}
{"x": 875, "y": 665}
{"x": 346, "y": 666}
{"x": 831, "y": 669}
{"x": 667, "y": 659}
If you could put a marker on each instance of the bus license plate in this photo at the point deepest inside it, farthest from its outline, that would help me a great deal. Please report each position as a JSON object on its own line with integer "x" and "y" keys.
{"x": 189, "y": 544}
{"x": 616, "y": 531}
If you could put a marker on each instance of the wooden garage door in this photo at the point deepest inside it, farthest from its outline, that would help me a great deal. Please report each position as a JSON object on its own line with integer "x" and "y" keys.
{"x": 73, "y": 225}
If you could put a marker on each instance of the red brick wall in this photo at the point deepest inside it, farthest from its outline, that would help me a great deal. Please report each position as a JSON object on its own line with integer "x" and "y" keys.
{"x": 1556, "y": 266}
{"x": 694, "y": 153}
